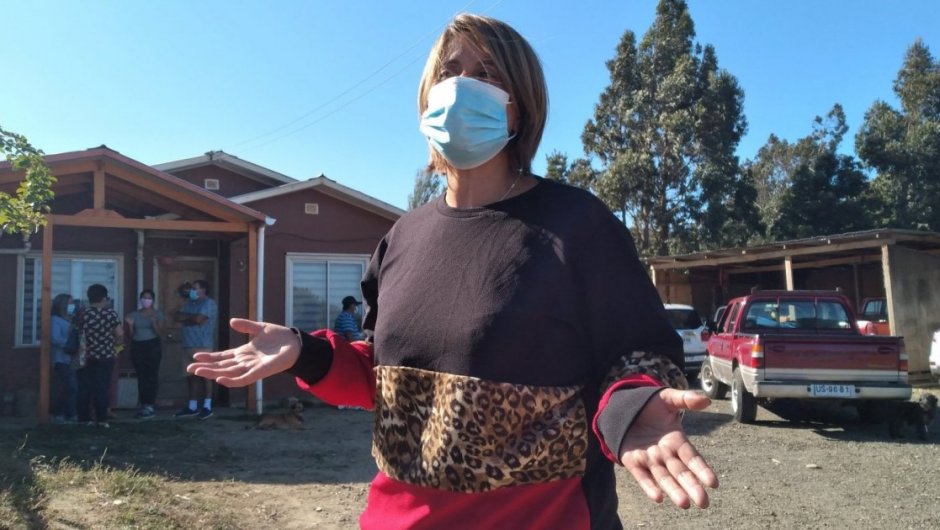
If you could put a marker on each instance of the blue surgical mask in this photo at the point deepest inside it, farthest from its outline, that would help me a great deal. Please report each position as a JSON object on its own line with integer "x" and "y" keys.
{"x": 466, "y": 121}
{"x": 70, "y": 309}
{"x": 193, "y": 294}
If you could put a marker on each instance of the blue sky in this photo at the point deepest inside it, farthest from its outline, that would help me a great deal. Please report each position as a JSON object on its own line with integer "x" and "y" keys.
{"x": 305, "y": 87}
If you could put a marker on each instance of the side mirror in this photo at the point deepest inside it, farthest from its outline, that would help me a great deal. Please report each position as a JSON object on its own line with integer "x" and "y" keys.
{"x": 712, "y": 326}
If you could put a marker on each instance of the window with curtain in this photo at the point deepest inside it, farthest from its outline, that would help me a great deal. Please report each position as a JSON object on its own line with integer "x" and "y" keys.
{"x": 316, "y": 286}
{"x": 71, "y": 275}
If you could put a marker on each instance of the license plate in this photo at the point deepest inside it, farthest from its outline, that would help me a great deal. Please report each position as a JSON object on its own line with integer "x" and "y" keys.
{"x": 846, "y": 391}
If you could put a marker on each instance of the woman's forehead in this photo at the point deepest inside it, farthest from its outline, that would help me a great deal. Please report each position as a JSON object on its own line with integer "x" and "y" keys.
{"x": 464, "y": 49}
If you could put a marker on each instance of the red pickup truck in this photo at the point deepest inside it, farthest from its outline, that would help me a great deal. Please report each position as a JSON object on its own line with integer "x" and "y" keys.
{"x": 800, "y": 345}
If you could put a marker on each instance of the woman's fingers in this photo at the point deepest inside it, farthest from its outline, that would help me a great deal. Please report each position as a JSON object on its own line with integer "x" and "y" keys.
{"x": 684, "y": 399}
{"x": 697, "y": 464}
{"x": 238, "y": 381}
{"x": 250, "y": 327}
{"x": 661, "y": 471}
{"x": 638, "y": 466}
{"x": 687, "y": 482}
{"x": 212, "y": 356}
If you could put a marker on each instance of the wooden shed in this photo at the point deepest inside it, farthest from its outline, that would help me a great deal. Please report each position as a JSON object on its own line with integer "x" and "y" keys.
{"x": 901, "y": 265}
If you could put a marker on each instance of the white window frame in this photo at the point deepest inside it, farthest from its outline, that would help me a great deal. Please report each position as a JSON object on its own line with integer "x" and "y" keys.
{"x": 116, "y": 296}
{"x": 312, "y": 257}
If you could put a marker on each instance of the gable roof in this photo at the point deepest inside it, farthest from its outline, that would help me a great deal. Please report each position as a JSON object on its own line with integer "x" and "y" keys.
{"x": 329, "y": 187}
{"x": 133, "y": 190}
{"x": 231, "y": 163}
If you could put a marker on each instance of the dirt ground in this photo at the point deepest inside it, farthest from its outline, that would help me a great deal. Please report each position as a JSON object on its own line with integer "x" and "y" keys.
{"x": 809, "y": 467}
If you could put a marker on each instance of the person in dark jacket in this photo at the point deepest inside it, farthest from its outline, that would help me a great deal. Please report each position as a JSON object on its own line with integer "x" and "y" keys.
{"x": 520, "y": 350}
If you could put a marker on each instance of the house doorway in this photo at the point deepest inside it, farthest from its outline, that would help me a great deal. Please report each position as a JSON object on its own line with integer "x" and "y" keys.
{"x": 171, "y": 275}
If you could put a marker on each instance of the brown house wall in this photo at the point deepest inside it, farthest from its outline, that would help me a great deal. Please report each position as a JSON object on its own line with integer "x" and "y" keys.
{"x": 338, "y": 228}
{"x": 15, "y": 364}
{"x": 230, "y": 183}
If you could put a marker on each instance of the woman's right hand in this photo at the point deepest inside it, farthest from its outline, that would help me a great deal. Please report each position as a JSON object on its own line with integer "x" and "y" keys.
{"x": 271, "y": 350}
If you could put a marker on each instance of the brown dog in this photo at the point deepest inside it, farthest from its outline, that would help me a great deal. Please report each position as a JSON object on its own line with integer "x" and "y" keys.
{"x": 917, "y": 413}
{"x": 291, "y": 419}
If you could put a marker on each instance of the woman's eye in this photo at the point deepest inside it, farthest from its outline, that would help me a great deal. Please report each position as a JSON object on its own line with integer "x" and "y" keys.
{"x": 445, "y": 74}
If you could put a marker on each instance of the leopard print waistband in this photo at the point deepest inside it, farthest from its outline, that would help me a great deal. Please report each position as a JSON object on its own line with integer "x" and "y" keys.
{"x": 465, "y": 434}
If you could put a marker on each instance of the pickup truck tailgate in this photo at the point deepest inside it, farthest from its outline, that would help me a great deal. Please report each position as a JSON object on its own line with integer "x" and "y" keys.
{"x": 832, "y": 358}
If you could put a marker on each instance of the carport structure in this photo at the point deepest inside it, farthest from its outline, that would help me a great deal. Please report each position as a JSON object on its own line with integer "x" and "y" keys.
{"x": 901, "y": 265}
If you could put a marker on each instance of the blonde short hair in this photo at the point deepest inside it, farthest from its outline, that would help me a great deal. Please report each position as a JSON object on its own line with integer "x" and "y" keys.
{"x": 518, "y": 68}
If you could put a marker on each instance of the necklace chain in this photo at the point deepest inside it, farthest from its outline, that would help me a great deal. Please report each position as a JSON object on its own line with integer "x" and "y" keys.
{"x": 511, "y": 187}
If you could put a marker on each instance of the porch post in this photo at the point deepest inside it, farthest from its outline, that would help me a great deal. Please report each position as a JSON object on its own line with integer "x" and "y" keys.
{"x": 788, "y": 268}
{"x": 252, "y": 264}
{"x": 889, "y": 291}
{"x": 45, "y": 341}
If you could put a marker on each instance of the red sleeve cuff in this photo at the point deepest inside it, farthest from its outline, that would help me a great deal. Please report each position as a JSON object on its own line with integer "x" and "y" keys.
{"x": 351, "y": 376}
{"x": 619, "y": 407}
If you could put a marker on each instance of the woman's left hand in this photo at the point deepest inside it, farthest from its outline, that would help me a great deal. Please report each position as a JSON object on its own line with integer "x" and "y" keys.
{"x": 661, "y": 458}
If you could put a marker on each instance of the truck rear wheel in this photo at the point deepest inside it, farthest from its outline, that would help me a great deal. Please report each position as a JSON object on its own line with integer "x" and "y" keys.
{"x": 713, "y": 388}
{"x": 743, "y": 403}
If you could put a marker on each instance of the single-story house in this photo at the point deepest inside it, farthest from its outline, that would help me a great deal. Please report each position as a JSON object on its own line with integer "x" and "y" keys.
{"x": 271, "y": 247}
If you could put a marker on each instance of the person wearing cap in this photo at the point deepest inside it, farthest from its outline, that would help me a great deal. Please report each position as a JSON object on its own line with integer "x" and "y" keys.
{"x": 346, "y": 323}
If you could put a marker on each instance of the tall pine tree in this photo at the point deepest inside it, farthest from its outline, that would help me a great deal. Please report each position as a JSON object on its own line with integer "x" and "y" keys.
{"x": 903, "y": 145}
{"x": 664, "y": 134}
{"x": 427, "y": 186}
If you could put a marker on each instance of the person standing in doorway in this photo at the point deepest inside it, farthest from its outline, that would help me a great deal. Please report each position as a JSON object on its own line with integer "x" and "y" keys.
{"x": 144, "y": 326}
{"x": 198, "y": 317}
{"x": 102, "y": 329}
{"x": 346, "y": 323}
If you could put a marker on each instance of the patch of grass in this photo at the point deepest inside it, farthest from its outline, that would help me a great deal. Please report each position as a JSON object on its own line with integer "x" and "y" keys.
{"x": 85, "y": 478}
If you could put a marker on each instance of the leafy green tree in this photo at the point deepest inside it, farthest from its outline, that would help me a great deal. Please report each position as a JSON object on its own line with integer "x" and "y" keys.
{"x": 903, "y": 145}
{"x": 828, "y": 195}
{"x": 771, "y": 173}
{"x": 24, "y": 213}
{"x": 579, "y": 173}
{"x": 556, "y": 167}
{"x": 664, "y": 134}
{"x": 427, "y": 186}
{"x": 807, "y": 188}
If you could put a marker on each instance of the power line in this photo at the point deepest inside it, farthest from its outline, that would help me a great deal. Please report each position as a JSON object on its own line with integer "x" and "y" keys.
{"x": 348, "y": 91}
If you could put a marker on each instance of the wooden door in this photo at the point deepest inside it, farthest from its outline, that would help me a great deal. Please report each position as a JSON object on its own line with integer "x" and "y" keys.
{"x": 171, "y": 275}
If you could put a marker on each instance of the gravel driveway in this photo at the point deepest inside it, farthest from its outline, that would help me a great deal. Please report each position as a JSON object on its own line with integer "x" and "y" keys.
{"x": 803, "y": 466}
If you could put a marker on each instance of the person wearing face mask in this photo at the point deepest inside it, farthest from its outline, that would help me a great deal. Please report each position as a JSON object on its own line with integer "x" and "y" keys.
{"x": 64, "y": 406}
{"x": 144, "y": 326}
{"x": 198, "y": 316}
{"x": 520, "y": 350}
{"x": 346, "y": 323}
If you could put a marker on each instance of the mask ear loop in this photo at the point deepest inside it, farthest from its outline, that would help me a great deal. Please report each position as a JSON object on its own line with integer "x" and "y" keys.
{"x": 512, "y": 134}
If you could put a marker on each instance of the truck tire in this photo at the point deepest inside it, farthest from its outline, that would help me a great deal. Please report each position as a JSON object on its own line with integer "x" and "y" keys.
{"x": 713, "y": 388}
{"x": 743, "y": 403}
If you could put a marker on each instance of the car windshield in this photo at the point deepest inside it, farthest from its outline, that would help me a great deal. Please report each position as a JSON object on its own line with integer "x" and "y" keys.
{"x": 684, "y": 318}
